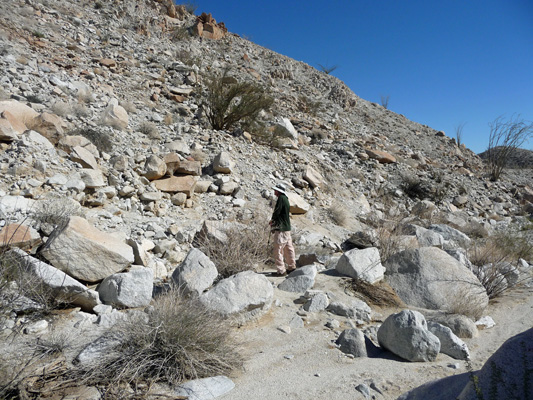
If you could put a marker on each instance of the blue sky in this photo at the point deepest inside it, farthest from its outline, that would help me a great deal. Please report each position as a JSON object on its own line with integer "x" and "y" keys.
{"x": 442, "y": 63}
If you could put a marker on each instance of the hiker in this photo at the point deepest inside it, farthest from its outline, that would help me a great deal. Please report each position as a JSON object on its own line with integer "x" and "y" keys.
{"x": 281, "y": 227}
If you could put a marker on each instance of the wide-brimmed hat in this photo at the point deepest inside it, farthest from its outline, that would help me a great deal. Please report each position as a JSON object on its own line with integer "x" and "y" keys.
{"x": 280, "y": 187}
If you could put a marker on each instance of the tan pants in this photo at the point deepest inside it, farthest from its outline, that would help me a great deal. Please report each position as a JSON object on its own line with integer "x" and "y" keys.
{"x": 283, "y": 247}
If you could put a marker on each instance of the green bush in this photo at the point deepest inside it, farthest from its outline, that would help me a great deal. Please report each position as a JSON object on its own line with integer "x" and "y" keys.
{"x": 228, "y": 102}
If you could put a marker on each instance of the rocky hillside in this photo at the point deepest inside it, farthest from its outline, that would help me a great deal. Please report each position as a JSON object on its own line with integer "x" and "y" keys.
{"x": 520, "y": 159}
{"x": 106, "y": 151}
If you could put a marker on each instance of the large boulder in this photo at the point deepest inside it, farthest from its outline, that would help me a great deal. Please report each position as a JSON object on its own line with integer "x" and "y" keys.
{"x": 503, "y": 376}
{"x": 19, "y": 111}
{"x": 406, "y": 334}
{"x": 115, "y": 116}
{"x": 297, "y": 204}
{"x": 86, "y": 253}
{"x": 128, "y": 289}
{"x": 175, "y": 184}
{"x": 450, "y": 234}
{"x": 430, "y": 278}
{"x": 510, "y": 366}
{"x": 62, "y": 286}
{"x": 245, "y": 295}
{"x": 362, "y": 264}
{"x": 154, "y": 168}
{"x": 49, "y": 125}
{"x": 196, "y": 273}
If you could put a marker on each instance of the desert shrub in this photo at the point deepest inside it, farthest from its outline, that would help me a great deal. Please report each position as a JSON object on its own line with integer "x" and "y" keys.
{"x": 178, "y": 339}
{"x": 80, "y": 110}
{"x": 415, "y": 188}
{"x": 504, "y": 139}
{"x": 495, "y": 260}
{"x": 180, "y": 33}
{"x": 61, "y": 108}
{"x": 228, "y": 103}
{"x": 103, "y": 140}
{"x": 385, "y": 101}
{"x": 149, "y": 129}
{"x": 242, "y": 247}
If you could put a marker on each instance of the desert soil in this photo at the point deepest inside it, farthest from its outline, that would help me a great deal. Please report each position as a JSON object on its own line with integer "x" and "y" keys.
{"x": 305, "y": 364}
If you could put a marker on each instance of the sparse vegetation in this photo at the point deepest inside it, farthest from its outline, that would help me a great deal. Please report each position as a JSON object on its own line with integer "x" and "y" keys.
{"x": 379, "y": 294}
{"x": 505, "y": 137}
{"x": 385, "y": 101}
{"x": 178, "y": 339}
{"x": 339, "y": 214}
{"x": 327, "y": 70}
{"x": 228, "y": 103}
{"x": 103, "y": 140}
{"x": 243, "y": 248}
{"x": 495, "y": 260}
{"x": 149, "y": 129}
{"x": 459, "y": 133}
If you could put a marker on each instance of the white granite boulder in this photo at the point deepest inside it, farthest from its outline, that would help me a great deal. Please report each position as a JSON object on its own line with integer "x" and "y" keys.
{"x": 450, "y": 344}
{"x": 430, "y": 278}
{"x": 63, "y": 286}
{"x": 196, "y": 273}
{"x": 128, "y": 289}
{"x": 362, "y": 264}
{"x": 406, "y": 334}
{"x": 246, "y": 295}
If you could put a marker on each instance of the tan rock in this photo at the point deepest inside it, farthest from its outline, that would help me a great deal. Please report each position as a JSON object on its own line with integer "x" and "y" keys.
{"x": 7, "y": 133}
{"x": 207, "y": 27}
{"x": 313, "y": 177}
{"x": 18, "y": 110}
{"x": 297, "y": 203}
{"x": 19, "y": 235}
{"x": 154, "y": 168}
{"x": 202, "y": 186}
{"x": 175, "y": 184}
{"x": 67, "y": 143}
{"x": 223, "y": 163}
{"x": 382, "y": 156}
{"x": 48, "y": 125}
{"x": 92, "y": 178}
{"x": 17, "y": 125}
{"x": 172, "y": 160}
{"x": 116, "y": 116}
{"x": 84, "y": 157}
{"x": 86, "y": 253}
{"x": 188, "y": 167}
{"x": 108, "y": 62}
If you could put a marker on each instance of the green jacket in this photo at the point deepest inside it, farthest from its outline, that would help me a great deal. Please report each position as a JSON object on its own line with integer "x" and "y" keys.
{"x": 280, "y": 217}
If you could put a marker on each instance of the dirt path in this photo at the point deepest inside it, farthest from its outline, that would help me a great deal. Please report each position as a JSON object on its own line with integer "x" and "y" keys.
{"x": 304, "y": 364}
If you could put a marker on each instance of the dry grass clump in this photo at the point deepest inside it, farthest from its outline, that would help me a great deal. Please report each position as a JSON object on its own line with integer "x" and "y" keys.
{"x": 149, "y": 129}
{"x": 178, "y": 339}
{"x": 61, "y": 108}
{"x": 128, "y": 106}
{"x": 239, "y": 247}
{"x": 339, "y": 214}
{"x": 19, "y": 288}
{"x": 466, "y": 302}
{"x": 379, "y": 294}
{"x": 199, "y": 155}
